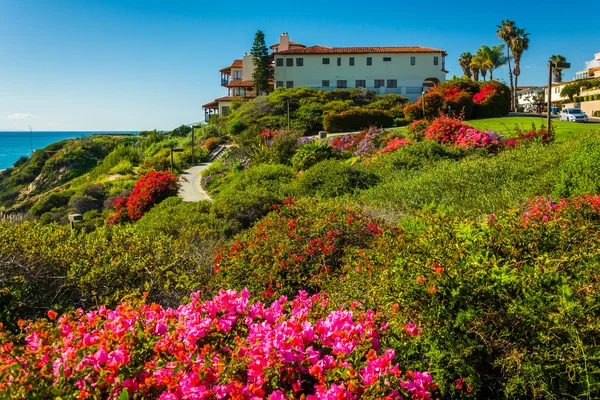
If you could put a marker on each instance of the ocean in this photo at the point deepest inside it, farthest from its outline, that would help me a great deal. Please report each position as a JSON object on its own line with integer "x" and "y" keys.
{"x": 16, "y": 144}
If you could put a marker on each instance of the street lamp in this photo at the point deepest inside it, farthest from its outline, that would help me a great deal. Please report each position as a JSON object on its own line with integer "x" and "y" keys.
{"x": 423, "y": 102}
{"x": 174, "y": 150}
{"x": 551, "y": 65}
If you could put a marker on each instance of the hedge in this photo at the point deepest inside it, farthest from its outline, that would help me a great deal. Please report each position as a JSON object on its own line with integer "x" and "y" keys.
{"x": 357, "y": 119}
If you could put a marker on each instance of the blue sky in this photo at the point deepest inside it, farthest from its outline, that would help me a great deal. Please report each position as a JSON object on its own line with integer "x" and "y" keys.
{"x": 134, "y": 65}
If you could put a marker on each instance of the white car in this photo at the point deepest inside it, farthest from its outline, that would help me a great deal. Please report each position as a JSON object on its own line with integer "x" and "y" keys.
{"x": 573, "y": 115}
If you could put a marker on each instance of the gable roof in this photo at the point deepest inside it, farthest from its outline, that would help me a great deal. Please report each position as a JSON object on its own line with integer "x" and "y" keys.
{"x": 361, "y": 50}
{"x": 234, "y": 64}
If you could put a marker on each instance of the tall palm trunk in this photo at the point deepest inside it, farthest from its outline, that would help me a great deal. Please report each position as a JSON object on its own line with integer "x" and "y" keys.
{"x": 513, "y": 88}
{"x": 475, "y": 73}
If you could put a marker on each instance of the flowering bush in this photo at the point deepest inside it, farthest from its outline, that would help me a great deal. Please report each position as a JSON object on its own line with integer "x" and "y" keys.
{"x": 151, "y": 189}
{"x": 395, "y": 144}
{"x": 444, "y": 129}
{"x": 470, "y": 138}
{"x": 226, "y": 347}
{"x": 211, "y": 143}
{"x": 485, "y": 93}
{"x": 297, "y": 247}
{"x": 540, "y": 134}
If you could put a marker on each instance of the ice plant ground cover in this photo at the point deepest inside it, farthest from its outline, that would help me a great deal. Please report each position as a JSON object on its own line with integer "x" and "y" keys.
{"x": 227, "y": 347}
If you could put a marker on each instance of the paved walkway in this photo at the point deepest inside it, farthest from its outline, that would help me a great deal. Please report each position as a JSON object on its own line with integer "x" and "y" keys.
{"x": 190, "y": 189}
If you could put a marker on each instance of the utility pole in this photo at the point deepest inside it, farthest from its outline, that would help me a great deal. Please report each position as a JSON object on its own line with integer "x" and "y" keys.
{"x": 548, "y": 116}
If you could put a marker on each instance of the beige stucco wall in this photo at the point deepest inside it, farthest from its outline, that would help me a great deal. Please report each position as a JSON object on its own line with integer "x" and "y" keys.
{"x": 248, "y": 68}
{"x": 410, "y": 77}
{"x": 588, "y": 107}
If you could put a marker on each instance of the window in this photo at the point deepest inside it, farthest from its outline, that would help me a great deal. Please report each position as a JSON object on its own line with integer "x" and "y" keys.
{"x": 279, "y": 62}
{"x": 339, "y": 61}
{"x": 351, "y": 61}
{"x": 289, "y": 84}
{"x": 436, "y": 60}
{"x": 360, "y": 83}
{"x": 392, "y": 83}
{"x": 237, "y": 75}
{"x": 289, "y": 62}
{"x": 325, "y": 60}
{"x": 224, "y": 110}
{"x": 379, "y": 83}
{"x": 299, "y": 62}
{"x": 342, "y": 84}
{"x": 369, "y": 61}
{"x": 278, "y": 84}
{"x": 412, "y": 61}
{"x": 325, "y": 83}
{"x": 387, "y": 59}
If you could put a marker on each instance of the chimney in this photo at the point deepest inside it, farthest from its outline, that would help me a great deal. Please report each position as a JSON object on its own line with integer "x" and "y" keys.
{"x": 284, "y": 42}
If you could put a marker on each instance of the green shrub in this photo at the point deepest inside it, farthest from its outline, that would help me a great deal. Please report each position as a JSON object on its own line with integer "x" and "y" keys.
{"x": 311, "y": 153}
{"x": 236, "y": 127}
{"x": 51, "y": 201}
{"x": 333, "y": 178}
{"x": 401, "y": 122}
{"x": 356, "y": 119}
{"x": 417, "y": 155}
{"x": 251, "y": 193}
{"x": 124, "y": 167}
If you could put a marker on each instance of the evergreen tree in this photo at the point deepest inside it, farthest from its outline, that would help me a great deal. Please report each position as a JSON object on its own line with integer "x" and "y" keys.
{"x": 262, "y": 66}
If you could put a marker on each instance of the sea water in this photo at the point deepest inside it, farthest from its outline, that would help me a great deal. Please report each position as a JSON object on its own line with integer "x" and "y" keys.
{"x": 14, "y": 145}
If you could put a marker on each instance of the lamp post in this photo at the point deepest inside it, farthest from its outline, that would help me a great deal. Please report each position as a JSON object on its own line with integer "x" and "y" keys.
{"x": 174, "y": 150}
{"x": 423, "y": 102}
{"x": 551, "y": 65}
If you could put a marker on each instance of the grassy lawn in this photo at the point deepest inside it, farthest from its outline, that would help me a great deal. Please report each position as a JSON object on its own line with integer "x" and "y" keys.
{"x": 506, "y": 125}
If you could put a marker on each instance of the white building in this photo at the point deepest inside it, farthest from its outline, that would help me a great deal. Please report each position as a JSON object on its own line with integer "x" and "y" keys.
{"x": 406, "y": 71}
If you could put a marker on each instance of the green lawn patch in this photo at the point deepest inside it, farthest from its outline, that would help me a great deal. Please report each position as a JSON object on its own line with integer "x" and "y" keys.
{"x": 506, "y": 125}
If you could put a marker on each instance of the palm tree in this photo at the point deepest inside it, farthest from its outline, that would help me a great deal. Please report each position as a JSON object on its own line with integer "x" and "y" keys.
{"x": 476, "y": 66}
{"x": 557, "y": 71}
{"x": 493, "y": 58}
{"x": 465, "y": 63}
{"x": 506, "y": 32}
{"x": 520, "y": 43}
{"x": 479, "y": 61}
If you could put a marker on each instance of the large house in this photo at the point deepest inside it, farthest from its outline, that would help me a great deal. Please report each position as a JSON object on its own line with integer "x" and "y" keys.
{"x": 407, "y": 71}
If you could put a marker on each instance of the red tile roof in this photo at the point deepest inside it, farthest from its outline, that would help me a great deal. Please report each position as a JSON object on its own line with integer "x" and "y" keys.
{"x": 595, "y": 69}
{"x": 240, "y": 83}
{"x": 234, "y": 64}
{"x": 211, "y": 106}
{"x": 361, "y": 50}
{"x": 291, "y": 44}
{"x": 232, "y": 98}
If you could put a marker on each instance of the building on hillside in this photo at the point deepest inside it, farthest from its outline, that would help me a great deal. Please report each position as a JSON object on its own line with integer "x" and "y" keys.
{"x": 592, "y": 69}
{"x": 407, "y": 71}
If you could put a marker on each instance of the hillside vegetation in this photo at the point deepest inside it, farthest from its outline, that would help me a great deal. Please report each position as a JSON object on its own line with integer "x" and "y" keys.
{"x": 442, "y": 260}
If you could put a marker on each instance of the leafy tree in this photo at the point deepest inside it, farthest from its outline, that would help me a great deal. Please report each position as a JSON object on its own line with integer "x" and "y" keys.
{"x": 465, "y": 63}
{"x": 183, "y": 130}
{"x": 506, "y": 31}
{"x": 557, "y": 72}
{"x": 262, "y": 66}
{"x": 570, "y": 90}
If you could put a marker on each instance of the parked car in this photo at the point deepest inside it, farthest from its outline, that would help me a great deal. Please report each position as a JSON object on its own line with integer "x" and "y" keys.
{"x": 529, "y": 109}
{"x": 573, "y": 115}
